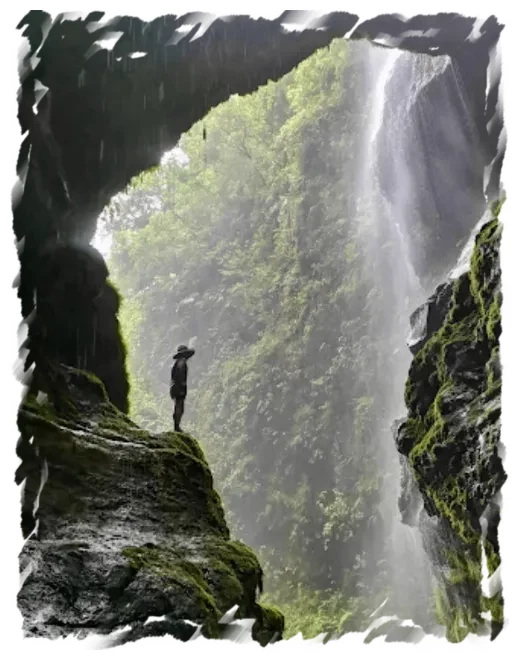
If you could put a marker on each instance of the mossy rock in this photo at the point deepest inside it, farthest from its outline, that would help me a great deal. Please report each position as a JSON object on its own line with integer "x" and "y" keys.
{"x": 150, "y": 537}
{"x": 450, "y": 438}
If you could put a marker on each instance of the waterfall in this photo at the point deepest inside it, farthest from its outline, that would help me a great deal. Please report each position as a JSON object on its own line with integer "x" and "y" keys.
{"x": 399, "y": 132}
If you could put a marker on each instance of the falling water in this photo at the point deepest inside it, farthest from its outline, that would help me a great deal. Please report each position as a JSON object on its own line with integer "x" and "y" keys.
{"x": 396, "y": 81}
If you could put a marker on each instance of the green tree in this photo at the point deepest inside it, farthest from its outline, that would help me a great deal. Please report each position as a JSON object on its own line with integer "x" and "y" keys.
{"x": 256, "y": 251}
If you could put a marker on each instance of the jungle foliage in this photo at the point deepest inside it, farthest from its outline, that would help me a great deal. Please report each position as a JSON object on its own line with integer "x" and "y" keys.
{"x": 254, "y": 249}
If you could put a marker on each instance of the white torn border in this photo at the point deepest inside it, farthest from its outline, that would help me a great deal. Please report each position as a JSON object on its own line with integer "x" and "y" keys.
{"x": 106, "y": 43}
{"x": 389, "y": 650}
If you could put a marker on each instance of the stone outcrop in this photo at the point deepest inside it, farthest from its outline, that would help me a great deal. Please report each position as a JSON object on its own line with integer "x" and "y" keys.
{"x": 76, "y": 321}
{"x": 123, "y": 527}
{"x": 450, "y": 439}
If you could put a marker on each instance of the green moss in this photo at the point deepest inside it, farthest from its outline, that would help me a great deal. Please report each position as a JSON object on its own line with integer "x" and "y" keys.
{"x": 179, "y": 573}
{"x": 457, "y": 327}
{"x": 458, "y": 620}
{"x": 225, "y": 583}
{"x": 432, "y": 429}
{"x": 123, "y": 346}
{"x": 492, "y": 557}
{"x": 465, "y": 566}
{"x": 239, "y": 557}
{"x": 411, "y": 433}
{"x": 493, "y": 368}
{"x": 109, "y": 420}
{"x": 473, "y": 321}
{"x": 230, "y": 575}
{"x": 272, "y": 617}
{"x": 269, "y": 624}
{"x": 494, "y": 605}
{"x": 415, "y": 426}
{"x": 460, "y": 625}
{"x": 493, "y": 317}
{"x": 441, "y": 606}
{"x": 450, "y": 500}
{"x": 488, "y": 239}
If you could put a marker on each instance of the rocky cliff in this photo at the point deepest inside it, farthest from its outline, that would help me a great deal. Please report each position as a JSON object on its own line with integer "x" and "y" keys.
{"x": 450, "y": 439}
{"x": 125, "y": 532}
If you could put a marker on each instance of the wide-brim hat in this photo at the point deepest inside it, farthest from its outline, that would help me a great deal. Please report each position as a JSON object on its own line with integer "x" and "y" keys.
{"x": 184, "y": 351}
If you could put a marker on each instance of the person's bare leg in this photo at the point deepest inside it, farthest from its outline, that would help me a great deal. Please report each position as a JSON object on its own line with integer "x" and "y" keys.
{"x": 177, "y": 415}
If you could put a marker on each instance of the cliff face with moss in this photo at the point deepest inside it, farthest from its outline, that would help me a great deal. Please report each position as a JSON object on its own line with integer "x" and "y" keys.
{"x": 450, "y": 438}
{"x": 124, "y": 527}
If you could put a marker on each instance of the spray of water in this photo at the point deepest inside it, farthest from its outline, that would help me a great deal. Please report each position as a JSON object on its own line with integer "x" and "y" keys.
{"x": 396, "y": 81}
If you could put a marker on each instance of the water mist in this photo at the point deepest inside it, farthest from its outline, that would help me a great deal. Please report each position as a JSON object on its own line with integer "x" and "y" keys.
{"x": 396, "y": 161}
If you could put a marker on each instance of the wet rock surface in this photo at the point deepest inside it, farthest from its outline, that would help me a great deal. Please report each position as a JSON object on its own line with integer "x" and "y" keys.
{"x": 429, "y": 317}
{"x": 127, "y": 526}
{"x": 450, "y": 439}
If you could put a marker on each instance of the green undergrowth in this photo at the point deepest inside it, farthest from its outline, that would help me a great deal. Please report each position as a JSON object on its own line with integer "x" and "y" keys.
{"x": 313, "y": 612}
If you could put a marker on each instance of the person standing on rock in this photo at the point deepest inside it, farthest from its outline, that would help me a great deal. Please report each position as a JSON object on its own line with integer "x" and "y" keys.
{"x": 178, "y": 384}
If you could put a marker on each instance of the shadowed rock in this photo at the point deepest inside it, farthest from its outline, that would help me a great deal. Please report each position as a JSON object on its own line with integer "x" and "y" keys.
{"x": 451, "y": 438}
{"x": 127, "y": 526}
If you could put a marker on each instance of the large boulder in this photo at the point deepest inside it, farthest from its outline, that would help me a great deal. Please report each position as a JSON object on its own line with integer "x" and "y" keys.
{"x": 123, "y": 527}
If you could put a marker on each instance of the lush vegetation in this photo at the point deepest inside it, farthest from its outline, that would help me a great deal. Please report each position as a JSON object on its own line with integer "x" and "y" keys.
{"x": 257, "y": 251}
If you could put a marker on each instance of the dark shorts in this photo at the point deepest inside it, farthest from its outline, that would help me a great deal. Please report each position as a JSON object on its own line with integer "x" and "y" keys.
{"x": 176, "y": 395}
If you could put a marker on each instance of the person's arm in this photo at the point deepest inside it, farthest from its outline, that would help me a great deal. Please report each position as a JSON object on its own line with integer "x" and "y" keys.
{"x": 182, "y": 376}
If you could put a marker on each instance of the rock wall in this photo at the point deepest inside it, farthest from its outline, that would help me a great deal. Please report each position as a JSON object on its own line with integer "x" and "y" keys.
{"x": 76, "y": 321}
{"x": 450, "y": 439}
{"x": 123, "y": 525}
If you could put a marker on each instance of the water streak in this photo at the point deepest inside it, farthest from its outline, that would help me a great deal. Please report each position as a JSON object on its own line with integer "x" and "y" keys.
{"x": 396, "y": 82}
